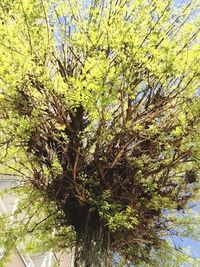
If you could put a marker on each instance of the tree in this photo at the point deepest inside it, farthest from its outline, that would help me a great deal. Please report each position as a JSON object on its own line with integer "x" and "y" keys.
{"x": 99, "y": 118}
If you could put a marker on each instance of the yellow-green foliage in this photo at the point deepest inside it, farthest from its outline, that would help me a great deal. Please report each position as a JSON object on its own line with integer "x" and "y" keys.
{"x": 99, "y": 106}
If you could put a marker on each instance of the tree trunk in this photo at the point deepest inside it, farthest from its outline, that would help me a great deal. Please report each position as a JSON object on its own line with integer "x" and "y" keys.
{"x": 92, "y": 247}
{"x": 92, "y": 236}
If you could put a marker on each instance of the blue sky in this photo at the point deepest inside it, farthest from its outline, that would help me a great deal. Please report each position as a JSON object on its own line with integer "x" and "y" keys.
{"x": 194, "y": 246}
{"x": 187, "y": 242}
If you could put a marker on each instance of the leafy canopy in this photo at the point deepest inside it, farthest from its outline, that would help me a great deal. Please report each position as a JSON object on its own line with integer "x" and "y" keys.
{"x": 99, "y": 116}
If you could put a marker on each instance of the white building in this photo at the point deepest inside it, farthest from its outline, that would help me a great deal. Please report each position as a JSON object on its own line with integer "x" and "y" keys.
{"x": 18, "y": 258}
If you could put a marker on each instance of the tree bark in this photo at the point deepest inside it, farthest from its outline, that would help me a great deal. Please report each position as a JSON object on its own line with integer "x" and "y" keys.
{"x": 92, "y": 247}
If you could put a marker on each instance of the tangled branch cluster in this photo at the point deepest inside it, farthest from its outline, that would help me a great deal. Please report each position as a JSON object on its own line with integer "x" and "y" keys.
{"x": 141, "y": 163}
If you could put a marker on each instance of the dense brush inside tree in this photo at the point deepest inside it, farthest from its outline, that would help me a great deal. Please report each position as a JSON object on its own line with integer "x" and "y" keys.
{"x": 100, "y": 115}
